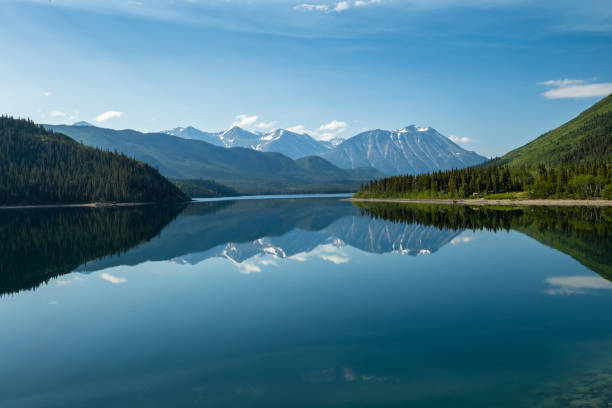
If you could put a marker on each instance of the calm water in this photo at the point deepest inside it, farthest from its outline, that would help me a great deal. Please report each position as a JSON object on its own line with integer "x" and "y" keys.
{"x": 305, "y": 303}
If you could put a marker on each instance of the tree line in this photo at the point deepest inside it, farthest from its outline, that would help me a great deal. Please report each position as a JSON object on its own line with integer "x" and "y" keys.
{"x": 581, "y": 180}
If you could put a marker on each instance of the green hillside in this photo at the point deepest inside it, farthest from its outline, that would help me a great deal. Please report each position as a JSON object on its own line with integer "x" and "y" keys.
{"x": 38, "y": 166}
{"x": 204, "y": 188}
{"x": 588, "y": 137}
{"x": 246, "y": 170}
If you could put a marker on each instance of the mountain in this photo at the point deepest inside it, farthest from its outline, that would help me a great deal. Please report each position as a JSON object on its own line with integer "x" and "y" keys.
{"x": 190, "y": 132}
{"x": 291, "y": 144}
{"x": 587, "y": 137}
{"x": 246, "y": 170}
{"x": 239, "y": 137}
{"x": 38, "y": 166}
{"x": 411, "y": 150}
{"x": 294, "y": 145}
{"x": 82, "y": 123}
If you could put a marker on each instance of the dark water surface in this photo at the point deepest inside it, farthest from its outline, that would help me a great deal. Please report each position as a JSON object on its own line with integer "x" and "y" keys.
{"x": 306, "y": 303}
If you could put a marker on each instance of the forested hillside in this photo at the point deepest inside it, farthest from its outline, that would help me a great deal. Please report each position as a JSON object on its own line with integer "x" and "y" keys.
{"x": 204, "y": 188}
{"x": 588, "y": 137}
{"x": 38, "y": 166}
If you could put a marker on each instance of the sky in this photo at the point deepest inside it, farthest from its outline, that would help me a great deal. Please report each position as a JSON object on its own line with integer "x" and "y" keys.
{"x": 490, "y": 74}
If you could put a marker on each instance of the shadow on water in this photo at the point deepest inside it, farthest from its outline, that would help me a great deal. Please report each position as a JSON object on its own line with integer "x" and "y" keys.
{"x": 584, "y": 233}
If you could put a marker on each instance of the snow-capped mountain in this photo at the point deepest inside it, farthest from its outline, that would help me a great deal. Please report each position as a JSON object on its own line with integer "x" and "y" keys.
{"x": 190, "y": 132}
{"x": 291, "y": 144}
{"x": 238, "y": 137}
{"x": 294, "y": 145}
{"x": 409, "y": 150}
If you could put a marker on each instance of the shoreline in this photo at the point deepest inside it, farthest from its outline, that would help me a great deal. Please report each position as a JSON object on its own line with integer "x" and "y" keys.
{"x": 535, "y": 202}
{"x": 84, "y": 205}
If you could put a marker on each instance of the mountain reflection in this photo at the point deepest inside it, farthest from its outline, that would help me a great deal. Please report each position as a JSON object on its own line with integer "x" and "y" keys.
{"x": 584, "y": 233}
{"x": 37, "y": 245}
{"x": 284, "y": 228}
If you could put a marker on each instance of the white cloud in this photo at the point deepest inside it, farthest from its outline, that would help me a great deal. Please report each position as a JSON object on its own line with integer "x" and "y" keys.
{"x": 561, "y": 82}
{"x": 112, "y": 278}
{"x": 47, "y": 93}
{"x": 58, "y": 114}
{"x": 341, "y": 6}
{"x": 326, "y": 131}
{"x": 571, "y": 285}
{"x": 575, "y": 88}
{"x": 334, "y": 125}
{"x": 245, "y": 121}
{"x": 312, "y": 7}
{"x": 361, "y": 3}
{"x": 463, "y": 139}
{"x": 338, "y": 7}
{"x": 108, "y": 115}
{"x": 297, "y": 129}
{"x": 265, "y": 125}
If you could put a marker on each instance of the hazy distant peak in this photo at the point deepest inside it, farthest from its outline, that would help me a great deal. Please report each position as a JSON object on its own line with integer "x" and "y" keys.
{"x": 82, "y": 123}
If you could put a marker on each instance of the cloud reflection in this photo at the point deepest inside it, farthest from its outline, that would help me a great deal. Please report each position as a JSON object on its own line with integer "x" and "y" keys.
{"x": 575, "y": 285}
{"x": 112, "y": 278}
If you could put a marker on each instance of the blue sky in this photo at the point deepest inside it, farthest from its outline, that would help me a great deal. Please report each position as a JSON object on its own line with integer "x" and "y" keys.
{"x": 493, "y": 74}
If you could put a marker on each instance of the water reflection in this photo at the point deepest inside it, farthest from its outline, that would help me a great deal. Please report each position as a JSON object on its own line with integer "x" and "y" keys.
{"x": 279, "y": 229}
{"x": 403, "y": 306}
{"x": 37, "y": 245}
{"x": 584, "y": 233}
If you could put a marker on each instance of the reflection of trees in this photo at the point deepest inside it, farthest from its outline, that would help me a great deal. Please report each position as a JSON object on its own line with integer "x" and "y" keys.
{"x": 37, "y": 245}
{"x": 585, "y": 233}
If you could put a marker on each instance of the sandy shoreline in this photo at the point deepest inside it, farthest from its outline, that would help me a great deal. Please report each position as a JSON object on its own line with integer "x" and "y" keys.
{"x": 91, "y": 205}
{"x": 586, "y": 203}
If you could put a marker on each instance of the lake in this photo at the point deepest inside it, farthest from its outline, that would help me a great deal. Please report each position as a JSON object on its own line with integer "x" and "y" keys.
{"x": 306, "y": 302}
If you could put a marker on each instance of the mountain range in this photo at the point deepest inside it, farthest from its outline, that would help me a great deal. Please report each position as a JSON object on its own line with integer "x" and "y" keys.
{"x": 291, "y": 144}
{"x": 247, "y": 170}
{"x": 280, "y": 161}
{"x": 410, "y": 150}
